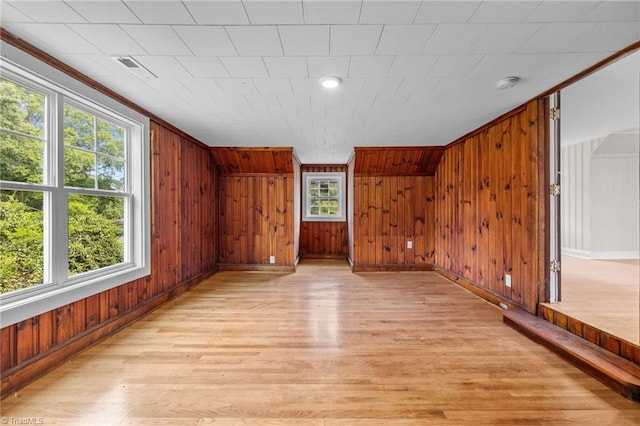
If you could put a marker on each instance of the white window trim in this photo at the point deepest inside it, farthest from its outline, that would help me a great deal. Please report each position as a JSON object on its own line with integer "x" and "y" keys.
{"x": 46, "y": 297}
{"x": 342, "y": 205}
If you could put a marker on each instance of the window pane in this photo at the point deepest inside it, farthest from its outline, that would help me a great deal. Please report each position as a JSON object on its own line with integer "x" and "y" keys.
{"x": 110, "y": 174}
{"x": 21, "y": 158}
{"x": 21, "y": 240}
{"x": 78, "y": 128}
{"x": 21, "y": 109}
{"x": 96, "y": 232}
{"x": 79, "y": 168}
{"x": 110, "y": 139}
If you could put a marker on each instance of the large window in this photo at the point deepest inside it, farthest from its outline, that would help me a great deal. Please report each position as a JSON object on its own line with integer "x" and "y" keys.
{"x": 73, "y": 194}
{"x": 324, "y": 197}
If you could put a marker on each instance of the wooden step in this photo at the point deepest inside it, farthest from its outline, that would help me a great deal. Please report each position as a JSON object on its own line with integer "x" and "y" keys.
{"x": 619, "y": 374}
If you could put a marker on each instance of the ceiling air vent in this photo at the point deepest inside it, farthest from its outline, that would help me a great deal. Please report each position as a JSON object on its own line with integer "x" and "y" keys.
{"x": 134, "y": 66}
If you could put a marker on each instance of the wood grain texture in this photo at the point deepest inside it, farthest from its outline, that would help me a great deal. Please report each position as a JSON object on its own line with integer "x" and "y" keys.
{"x": 389, "y": 211}
{"x": 397, "y": 161}
{"x": 182, "y": 184}
{"x": 323, "y": 346}
{"x": 241, "y": 160}
{"x": 256, "y": 220}
{"x": 324, "y": 239}
{"x": 490, "y": 208}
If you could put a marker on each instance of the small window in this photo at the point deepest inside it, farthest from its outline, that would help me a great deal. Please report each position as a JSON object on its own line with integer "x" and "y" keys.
{"x": 323, "y": 197}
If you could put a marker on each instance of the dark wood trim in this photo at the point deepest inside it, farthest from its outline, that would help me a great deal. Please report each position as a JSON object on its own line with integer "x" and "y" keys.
{"x": 395, "y": 148}
{"x": 321, "y": 165}
{"x": 322, "y": 256}
{"x": 44, "y": 362}
{"x": 393, "y": 267}
{"x": 619, "y": 374}
{"x": 492, "y": 123}
{"x": 544, "y": 206}
{"x": 30, "y": 49}
{"x": 484, "y": 293}
{"x": 596, "y": 67}
{"x": 273, "y": 175}
{"x": 256, "y": 267}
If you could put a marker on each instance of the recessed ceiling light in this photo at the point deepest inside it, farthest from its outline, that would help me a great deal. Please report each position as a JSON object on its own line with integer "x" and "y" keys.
{"x": 507, "y": 82}
{"x": 330, "y": 81}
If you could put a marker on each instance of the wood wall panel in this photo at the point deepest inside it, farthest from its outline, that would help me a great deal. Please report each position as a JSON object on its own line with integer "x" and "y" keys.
{"x": 242, "y": 160}
{"x": 397, "y": 161}
{"x": 183, "y": 181}
{"x": 256, "y": 220}
{"x": 488, "y": 216}
{"x": 325, "y": 239}
{"x": 388, "y": 212}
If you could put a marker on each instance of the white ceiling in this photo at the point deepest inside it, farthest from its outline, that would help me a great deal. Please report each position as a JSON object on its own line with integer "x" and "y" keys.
{"x": 245, "y": 73}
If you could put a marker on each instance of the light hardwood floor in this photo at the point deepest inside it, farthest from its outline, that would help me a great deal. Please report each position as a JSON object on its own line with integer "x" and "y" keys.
{"x": 602, "y": 293}
{"x": 322, "y": 346}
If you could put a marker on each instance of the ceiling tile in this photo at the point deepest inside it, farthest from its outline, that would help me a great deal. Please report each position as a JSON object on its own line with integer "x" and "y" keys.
{"x": 412, "y": 66}
{"x": 54, "y": 38}
{"x": 381, "y": 86}
{"x": 403, "y": 39}
{"x": 160, "y": 12}
{"x": 389, "y": 12}
{"x": 613, "y": 11}
{"x": 606, "y": 37}
{"x": 47, "y": 11}
{"x": 108, "y": 65}
{"x": 206, "y": 40}
{"x": 560, "y": 11}
{"x": 217, "y": 12}
{"x": 104, "y": 12}
{"x": 305, "y": 40}
{"x": 203, "y": 66}
{"x": 256, "y": 41}
{"x": 202, "y": 87}
{"x": 163, "y": 66}
{"x": 454, "y": 65}
{"x": 349, "y": 40}
{"x": 262, "y": 12}
{"x": 451, "y": 39}
{"x": 330, "y": 65}
{"x": 11, "y": 14}
{"x": 553, "y": 37}
{"x": 273, "y": 86}
{"x": 245, "y": 67}
{"x": 286, "y": 67}
{"x": 331, "y": 12}
{"x": 262, "y": 101}
{"x": 504, "y": 38}
{"x": 237, "y": 86}
{"x": 157, "y": 39}
{"x": 109, "y": 38}
{"x": 497, "y": 66}
{"x": 370, "y": 66}
{"x": 503, "y": 11}
{"x": 435, "y": 12}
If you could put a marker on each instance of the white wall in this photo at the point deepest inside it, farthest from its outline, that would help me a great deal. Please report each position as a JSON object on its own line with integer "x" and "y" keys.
{"x": 600, "y": 201}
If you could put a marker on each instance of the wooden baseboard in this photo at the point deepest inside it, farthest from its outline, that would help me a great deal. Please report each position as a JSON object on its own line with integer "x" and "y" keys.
{"x": 392, "y": 267}
{"x": 614, "y": 371}
{"x": 257, "y": 267}
{"x": 22, "y": 374}
{"x": 323, "y": 256}
{"x": 487, "y": 295}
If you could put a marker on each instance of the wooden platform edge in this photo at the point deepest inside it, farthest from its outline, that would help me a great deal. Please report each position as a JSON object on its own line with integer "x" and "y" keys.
{"x": 619, "y": 374}
{"x": 257, "y": 267}
{"x": 395, "y": 267}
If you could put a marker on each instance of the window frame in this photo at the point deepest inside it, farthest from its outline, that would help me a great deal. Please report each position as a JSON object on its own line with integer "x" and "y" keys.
{"x": 62, "y": 289}
{"x": 307, "y": 178}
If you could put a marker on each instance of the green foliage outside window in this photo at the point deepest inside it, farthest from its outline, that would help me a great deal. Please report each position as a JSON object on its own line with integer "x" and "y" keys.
{"x": 94, "y": 157}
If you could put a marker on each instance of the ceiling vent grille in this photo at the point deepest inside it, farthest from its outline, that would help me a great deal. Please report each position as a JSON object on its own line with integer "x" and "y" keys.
{"x": 135, "y": 67}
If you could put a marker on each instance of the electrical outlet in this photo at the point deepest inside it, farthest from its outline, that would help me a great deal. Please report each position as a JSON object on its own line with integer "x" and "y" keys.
{"x": 507, "y": 280}
{"x": 409, "y": 244}
{"x": 272, "y": 259}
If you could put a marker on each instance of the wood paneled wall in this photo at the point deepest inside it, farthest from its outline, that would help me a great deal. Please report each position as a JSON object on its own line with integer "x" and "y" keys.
{"x": 256, "y": 220}
{"x": 324, "y": 239}
{"x": 490, "y": 207}
{"x": 183, "y": 249}
{"x": 388, "y": 212}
